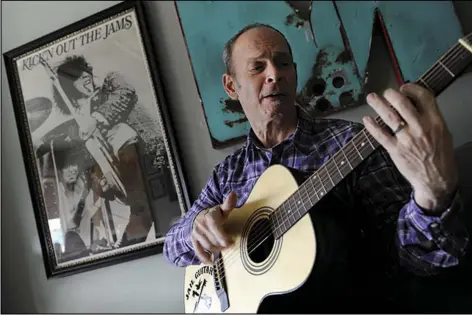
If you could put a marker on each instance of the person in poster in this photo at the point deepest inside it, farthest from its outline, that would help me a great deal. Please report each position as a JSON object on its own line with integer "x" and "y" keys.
{"x": 95, "y": 127}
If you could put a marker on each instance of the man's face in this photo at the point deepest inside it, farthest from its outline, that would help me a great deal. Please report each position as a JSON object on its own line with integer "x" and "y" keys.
{"x": 70, "y": 174}
{"x": 264, "y": 76}
{"x": 84, "y": 84}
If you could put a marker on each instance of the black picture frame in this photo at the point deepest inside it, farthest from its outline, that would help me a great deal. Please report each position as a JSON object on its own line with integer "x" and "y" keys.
{"x": 115, "y": 41}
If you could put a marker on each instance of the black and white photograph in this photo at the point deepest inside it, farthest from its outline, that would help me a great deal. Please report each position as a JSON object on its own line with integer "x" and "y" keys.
{"x": 102, "y": 164}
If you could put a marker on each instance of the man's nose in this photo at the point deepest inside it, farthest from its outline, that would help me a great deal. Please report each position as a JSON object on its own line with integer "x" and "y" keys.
{"x": 273, "y": 73}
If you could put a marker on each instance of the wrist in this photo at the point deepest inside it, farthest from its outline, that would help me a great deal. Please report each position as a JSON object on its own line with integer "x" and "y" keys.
{"x": 434, "y": 204}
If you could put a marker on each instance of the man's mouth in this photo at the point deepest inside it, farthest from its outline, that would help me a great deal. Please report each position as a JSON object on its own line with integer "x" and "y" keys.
{"x": 274, "y": 95}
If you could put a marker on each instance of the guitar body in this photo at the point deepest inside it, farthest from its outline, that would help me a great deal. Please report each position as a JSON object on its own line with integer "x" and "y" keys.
{"x": 248, "y": 280}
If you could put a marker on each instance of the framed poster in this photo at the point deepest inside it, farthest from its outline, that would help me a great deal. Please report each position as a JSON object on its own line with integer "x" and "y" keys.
{"x": 102, "y": 164}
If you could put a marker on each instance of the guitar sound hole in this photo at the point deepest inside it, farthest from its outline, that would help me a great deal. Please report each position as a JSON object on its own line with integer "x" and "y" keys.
{"x": 260, "y": 241}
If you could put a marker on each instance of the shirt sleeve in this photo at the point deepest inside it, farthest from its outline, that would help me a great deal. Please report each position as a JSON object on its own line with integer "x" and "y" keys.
{"x": 424, "y": 243}
{"x": 178, "y": 248}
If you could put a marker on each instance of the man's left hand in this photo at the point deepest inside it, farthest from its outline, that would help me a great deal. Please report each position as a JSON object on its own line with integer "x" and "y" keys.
{"x": 423, "y": 149}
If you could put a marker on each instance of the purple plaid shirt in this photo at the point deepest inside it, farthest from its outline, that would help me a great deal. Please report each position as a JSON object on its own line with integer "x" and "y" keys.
{"x": 382, "y": 191}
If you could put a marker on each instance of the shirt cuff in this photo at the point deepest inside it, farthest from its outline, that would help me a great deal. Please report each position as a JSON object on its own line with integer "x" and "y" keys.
{"x": 431, "y": 225}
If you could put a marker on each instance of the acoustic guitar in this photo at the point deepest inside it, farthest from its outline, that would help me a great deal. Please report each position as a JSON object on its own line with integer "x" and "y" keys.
{"x": 272, "y": 227}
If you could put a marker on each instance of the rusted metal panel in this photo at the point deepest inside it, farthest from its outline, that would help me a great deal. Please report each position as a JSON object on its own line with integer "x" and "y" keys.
{"x": 418, "y": 32}
{"x": 330, "y": 42}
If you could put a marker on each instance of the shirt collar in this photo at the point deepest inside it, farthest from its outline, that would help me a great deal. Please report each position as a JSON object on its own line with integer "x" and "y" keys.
{"x": 304, "y": 124}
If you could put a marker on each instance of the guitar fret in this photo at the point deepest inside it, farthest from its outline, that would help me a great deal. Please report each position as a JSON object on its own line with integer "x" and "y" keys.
{"x": 324, "y": 188}
{"x": 308, "y": 198}
{"x": 283, "y": 220}
{"x": 327, "y": 172}
{"x": 426, "y": 85}
{"x": 344, "y": 165}
{"x": 369, "y": 141}
{"x": 446, "y": 68}
{"x": 296, "y": 200}
{"x": 314, "y": 188}
{"x": 289, "y": 214}
{"x": 336, "y": 164}
{"x": 295, "y": 207}
{"x": 355, "y": 147}
{"x": 349, "y": 163}
{"x": 275, "y": 224}
{"x": 301, "y": 202}
{"x": 305, "y": 196}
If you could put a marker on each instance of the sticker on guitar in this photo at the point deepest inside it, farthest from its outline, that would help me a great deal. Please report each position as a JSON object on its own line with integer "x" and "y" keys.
{"x": 198, "y": 289}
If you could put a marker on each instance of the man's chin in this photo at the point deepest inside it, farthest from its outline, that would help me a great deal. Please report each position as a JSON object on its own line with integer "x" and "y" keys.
{"x": 274, "y": 113}
{"x": 276, "y": 107}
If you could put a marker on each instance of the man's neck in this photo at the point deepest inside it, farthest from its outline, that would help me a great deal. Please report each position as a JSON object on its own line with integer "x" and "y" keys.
{"x": 276, "y": 130}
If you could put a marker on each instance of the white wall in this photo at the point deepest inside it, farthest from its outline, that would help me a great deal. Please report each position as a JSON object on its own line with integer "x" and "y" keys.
{"x": 149, "y": 284}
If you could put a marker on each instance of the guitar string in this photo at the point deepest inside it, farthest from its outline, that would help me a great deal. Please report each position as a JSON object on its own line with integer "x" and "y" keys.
{"x": 445, "y": 58}
{"x": 370, "y": 138}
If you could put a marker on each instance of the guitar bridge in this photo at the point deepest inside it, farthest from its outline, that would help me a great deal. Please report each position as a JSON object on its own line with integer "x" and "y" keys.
{"x": 220, "y": 282}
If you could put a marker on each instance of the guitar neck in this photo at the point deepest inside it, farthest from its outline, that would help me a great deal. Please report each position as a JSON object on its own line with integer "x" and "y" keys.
{"x": 446, "y": 69}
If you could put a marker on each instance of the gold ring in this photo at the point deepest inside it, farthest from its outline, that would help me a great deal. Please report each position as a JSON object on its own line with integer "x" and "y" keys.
{"x": 400, "y": 127}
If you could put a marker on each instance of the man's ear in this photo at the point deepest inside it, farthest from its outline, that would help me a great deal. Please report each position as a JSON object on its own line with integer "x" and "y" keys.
{"x": 229, "y": 86}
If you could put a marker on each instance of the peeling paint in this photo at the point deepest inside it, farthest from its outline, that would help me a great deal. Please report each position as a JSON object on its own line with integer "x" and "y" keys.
{"x": 292, "y": 19}
{"x": 301, "y": 17}
{"x": 231, "y": 123}
{"x": 333, "y": 85}
{"x": 232, "y": 106}
{"x": 311, "y": 88}
{"x": 344, "y": 57}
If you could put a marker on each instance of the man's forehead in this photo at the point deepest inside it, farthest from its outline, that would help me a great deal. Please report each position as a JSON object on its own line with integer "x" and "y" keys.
{"x": 261, "y": 39}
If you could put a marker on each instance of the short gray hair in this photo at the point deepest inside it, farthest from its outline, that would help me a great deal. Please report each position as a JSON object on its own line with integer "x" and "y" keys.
{"x": 228, "y": 48}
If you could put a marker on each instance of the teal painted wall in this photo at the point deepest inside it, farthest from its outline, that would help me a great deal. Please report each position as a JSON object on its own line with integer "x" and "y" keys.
{"x": 332, "y": 67}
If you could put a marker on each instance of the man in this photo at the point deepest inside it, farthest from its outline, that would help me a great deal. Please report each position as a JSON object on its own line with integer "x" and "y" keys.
{"x": 99, "y": 111}
{"x": 73, "y": 188}
{"x": 400, "y": 207}
{"x": 68, "y": 194}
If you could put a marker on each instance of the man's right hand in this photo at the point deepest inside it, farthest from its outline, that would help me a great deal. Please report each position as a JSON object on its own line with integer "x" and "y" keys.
{"x": 208, "y": 235}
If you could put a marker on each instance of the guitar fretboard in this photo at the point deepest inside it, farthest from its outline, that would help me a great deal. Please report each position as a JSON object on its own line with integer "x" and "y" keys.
{"x": 436, "y": 79}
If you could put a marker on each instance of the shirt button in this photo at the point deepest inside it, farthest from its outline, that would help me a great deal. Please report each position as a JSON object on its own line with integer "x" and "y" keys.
{"x": 434, "y": 225}
{"x": 435, "y": 229}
